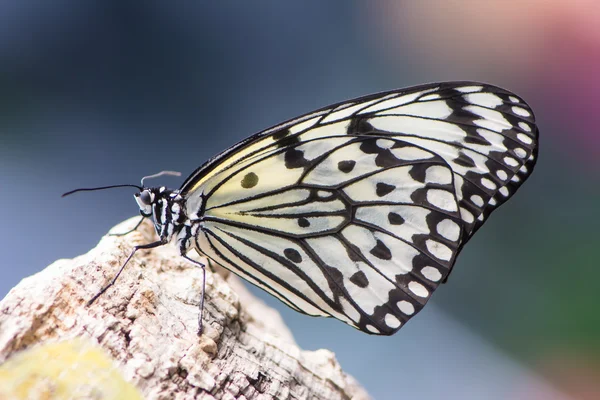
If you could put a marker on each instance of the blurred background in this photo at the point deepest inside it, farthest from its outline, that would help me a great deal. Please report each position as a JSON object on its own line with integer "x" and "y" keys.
{"x": 98, "y": 93}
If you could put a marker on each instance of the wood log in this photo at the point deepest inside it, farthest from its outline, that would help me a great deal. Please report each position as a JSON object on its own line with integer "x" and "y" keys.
{"x": 146, "y": 326}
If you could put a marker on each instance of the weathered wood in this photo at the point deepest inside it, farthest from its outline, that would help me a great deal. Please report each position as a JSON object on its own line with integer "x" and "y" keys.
{"x": 147, "y": 322}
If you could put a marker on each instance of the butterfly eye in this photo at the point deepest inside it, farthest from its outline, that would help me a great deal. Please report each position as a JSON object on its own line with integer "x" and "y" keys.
{"x": 145, "y": 197}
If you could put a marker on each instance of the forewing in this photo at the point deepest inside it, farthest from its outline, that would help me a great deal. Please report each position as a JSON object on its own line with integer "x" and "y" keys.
{"x": 486, "y": 134}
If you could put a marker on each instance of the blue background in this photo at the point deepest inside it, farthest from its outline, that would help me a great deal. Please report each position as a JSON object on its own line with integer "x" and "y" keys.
{"x": 97, "y": 93}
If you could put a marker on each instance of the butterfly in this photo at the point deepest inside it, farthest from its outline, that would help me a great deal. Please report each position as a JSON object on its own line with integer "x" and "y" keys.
{"x": 356, "y": 211}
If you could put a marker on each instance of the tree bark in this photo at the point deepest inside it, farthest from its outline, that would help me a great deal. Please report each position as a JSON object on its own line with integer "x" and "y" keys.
{"x": 147, "y": 322}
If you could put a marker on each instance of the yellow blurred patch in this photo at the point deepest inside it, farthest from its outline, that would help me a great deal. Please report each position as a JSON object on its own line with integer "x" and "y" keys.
{"x": 73, "y": 369}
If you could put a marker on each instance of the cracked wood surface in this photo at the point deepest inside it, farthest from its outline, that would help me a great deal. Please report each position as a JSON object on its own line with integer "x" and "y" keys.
{"x": 147, "y": 323}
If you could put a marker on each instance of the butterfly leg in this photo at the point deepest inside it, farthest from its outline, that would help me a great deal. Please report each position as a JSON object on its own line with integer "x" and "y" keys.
{"x": 129, "y": 231}
{"x": 112, "y": 282}
{"x": 201, "y": 265}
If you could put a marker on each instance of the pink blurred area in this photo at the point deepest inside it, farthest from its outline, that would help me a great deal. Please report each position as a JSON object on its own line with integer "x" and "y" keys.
{"x": 577, "y": 375}
{"x": 548, "y": 51}
{"x": 550, "y": 48}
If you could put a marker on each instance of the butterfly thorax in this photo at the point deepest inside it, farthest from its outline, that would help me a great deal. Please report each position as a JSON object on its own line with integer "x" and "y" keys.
{"x": 166, "y": 207}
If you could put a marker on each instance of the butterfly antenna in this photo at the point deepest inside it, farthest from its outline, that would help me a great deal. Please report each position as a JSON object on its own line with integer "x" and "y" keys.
{"x": 101, "y": 188}
{"x": 161, "y": 173}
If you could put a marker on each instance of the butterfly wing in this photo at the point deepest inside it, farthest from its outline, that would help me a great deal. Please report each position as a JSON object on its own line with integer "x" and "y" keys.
{"x": 357, "y": 211}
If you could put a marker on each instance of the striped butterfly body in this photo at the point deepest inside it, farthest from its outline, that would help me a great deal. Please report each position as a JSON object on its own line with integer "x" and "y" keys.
{"x": 356, "y": 211}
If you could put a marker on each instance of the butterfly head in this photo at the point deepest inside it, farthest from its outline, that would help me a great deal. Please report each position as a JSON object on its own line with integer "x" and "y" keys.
{"x": 164, "y": 206}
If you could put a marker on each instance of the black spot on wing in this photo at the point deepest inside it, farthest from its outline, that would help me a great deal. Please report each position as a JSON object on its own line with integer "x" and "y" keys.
{"x": 250, "y": 180}
{"x": 294, "y": 158}
{"x": 383, "y": 189}
{"x": 381, "y": 251}
{"x": 303, "y": 222}
{"x": 360, "y": 279}
{"x": 346, "y": 166}
{"x": 292, "y": 255}
{"x": 395, "y": 219}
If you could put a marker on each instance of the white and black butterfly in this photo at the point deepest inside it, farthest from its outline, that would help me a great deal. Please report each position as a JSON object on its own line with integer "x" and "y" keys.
{"x": 356, "y": 211}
